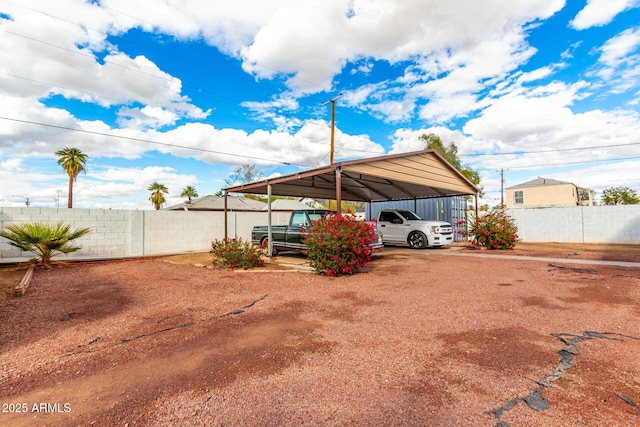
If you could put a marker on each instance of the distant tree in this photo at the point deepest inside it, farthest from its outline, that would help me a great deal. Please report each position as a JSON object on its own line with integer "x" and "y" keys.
{"x": 243, "y": 175}
{"x": 157, "y": 194}
{"x": 619, "y": 196}
{"x": 189, "y": 192}
{"x": 73, "y": 161}
{"x": 450, "y": 154}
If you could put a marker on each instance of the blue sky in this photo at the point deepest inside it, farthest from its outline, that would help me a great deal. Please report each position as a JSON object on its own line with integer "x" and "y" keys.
{"x": 183, "y": 92}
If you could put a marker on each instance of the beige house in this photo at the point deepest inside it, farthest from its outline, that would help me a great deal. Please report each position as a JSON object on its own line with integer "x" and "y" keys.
{"x": 547, "y": 192}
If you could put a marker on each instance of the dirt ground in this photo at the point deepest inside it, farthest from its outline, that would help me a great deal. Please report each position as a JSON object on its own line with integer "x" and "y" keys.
{"x": 423, "y": 338}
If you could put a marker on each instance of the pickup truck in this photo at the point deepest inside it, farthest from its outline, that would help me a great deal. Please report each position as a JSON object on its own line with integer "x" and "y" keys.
{"x": 403, "y": 227}
{"x": 290, "y": 237}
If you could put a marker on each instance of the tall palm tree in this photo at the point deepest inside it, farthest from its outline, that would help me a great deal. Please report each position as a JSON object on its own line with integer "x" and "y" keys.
{"x": 73, "y": 161}
{"x": 189, "y": 192}
{"x": 157, "y": 194}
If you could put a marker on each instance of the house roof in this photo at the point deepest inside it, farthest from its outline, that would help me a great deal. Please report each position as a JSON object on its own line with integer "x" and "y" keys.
{"x": 418, "y": 174}
{"x": 215, "y": 203}
{"x": 286, "y": 205}
{"x": 540, "y": 182}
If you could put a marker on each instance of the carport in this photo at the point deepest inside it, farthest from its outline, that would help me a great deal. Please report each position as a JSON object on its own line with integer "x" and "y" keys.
{"x": 413, "y": 175}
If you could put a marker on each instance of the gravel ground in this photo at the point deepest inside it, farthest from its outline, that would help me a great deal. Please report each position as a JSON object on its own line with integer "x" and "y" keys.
{"x": 422, "y": 339}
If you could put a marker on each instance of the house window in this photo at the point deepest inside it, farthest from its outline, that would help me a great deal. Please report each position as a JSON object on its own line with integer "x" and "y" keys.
{"x": 519, "y": 197}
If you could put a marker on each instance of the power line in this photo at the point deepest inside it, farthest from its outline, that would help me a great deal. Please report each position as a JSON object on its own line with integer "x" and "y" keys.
{"x": 237, "y": 75}
{"x": 569, "y": 163}
{"x": 554, "y": 150}
{"x": 95, "y": 95}
{"x": 137, "y": 70}
{"x": 166, "y": 144}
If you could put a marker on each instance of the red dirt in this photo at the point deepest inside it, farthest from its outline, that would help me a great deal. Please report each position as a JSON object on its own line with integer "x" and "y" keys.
{"x": 422, "y": 339}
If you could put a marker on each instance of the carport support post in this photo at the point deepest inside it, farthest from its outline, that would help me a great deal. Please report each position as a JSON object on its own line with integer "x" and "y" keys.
{"x": 476, "y": 197}
{"x": 226, "y": 234}
{"x": 270, "y": 245}
{"x": 338, "y": 190}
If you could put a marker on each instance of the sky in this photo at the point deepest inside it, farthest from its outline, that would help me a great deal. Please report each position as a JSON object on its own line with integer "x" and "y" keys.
{"x": 182, "y": 92}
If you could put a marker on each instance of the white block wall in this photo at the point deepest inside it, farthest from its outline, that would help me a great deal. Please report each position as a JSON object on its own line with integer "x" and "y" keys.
{"x": 123, "y": 233}
{"x": 579, "y": 224}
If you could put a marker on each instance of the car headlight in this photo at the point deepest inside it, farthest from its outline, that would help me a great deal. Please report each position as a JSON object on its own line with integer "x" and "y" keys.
{"x": 434, "y": 229}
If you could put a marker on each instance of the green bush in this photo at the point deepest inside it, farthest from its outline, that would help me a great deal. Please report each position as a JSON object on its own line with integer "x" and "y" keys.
{"x": 44, "y": 240}
{"x": 235, "y": 253}
{"x": 339, "y": 245}
{"x": 493, "y": 230}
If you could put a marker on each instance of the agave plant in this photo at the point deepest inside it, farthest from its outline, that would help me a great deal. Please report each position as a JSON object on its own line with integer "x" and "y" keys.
{"x": 44, "y": 240}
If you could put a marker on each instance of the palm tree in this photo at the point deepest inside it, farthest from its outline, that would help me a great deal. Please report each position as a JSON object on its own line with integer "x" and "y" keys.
{"x": 73, "y": 161}
{"x": 44, "y": 240}
{"x": 189, "y": 192}
{"x": 157, "y": 194}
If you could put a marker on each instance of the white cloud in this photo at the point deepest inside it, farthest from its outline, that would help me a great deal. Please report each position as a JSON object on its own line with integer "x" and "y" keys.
{"x": 458, "y": 57}
{"x": 279, "y": 111}
{"x": 617, "y": 49}
{"x": 618, "y": 66}
{"x": 600, "y": 12}
{"x": 43, "y": 56}
{"x": 307, "y": 40}
{"x": 145, "y": 117}
{"x": 544, "y": 129}
{"x": 326, "y": 35}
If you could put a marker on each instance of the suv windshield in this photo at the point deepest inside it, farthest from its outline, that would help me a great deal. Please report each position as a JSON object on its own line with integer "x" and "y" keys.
{"x": 410, "y": 216}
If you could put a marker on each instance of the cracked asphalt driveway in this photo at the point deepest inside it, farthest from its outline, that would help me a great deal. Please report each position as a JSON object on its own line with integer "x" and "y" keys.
{"x": 422, "y": 339}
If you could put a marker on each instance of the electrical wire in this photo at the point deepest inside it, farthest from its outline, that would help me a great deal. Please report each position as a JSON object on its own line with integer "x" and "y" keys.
{"x": 148, "y": 141}
{"x": 239, "y": 101}
{"x": 554, "y": 150}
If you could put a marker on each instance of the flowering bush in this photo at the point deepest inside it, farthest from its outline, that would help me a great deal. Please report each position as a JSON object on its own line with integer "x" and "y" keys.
{"x": 494, "y": 230}
{"x": 339, "y": 245}
{"x": 235, "y": 253}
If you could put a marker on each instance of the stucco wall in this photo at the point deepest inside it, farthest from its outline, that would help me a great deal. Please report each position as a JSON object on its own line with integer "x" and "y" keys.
{"x": 123, "y": 233}
{"x": 578, "y": 224}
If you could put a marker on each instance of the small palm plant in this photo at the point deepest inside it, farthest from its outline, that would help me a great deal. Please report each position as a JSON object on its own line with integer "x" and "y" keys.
{"x": 44, "y": 240}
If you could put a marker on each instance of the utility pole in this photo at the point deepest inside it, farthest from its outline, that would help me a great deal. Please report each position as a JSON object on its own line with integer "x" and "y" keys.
{"x": 333, "y": 122}
{"x": 502, "y": 187}
{"x": 28, "y": 202}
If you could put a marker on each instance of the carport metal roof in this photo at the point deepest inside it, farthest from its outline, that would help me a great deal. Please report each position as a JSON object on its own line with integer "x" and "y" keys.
{"x": 418, "y": 174}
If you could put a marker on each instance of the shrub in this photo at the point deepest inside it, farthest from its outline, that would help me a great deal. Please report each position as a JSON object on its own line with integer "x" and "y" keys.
{"x": 494, "y": 230}
{"x": 339, "y": 245}
{"x": 234, "y": 253}
{"x": 44, "y": 240}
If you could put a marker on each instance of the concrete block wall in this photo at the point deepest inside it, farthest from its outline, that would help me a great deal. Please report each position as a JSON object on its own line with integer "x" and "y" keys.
{"x": 109, "y": 236}
{"x": 579, "y": 224}
{"x": 123, "y": 233}
{"x": 612, "y": 224}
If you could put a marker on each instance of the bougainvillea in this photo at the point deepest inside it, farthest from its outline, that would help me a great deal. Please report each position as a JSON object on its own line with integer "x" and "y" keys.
{"x": 493, "y": 230}
{"x": 235, "y": 253}
{"x": 339, "y": 245}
